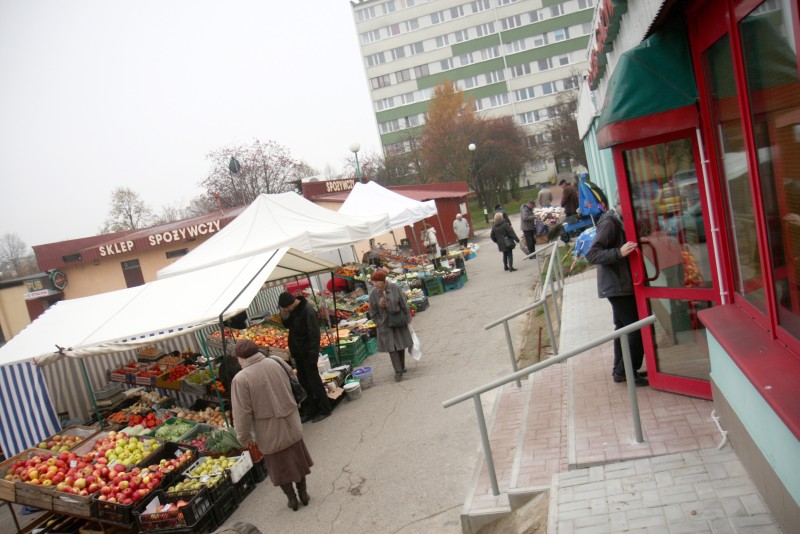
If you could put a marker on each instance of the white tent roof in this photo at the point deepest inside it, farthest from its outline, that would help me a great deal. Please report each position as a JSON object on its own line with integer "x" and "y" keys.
{"x": 129, "y": 318}
{"x": 274, "y": 221}
{"x": 373, "y": 199}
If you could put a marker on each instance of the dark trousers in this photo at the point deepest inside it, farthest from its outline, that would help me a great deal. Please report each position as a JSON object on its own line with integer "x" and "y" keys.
{"x": 398, "y": 358}
{"x": 463, "y": 242}
{"x": 308, "y": 376}
{"x": 530, "y": 240}
{"x": 625, "y": 313}
{"x": 508, "y": 258}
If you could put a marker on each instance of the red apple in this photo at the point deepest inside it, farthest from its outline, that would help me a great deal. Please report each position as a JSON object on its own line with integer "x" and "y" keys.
{"x": 80, "y": 483}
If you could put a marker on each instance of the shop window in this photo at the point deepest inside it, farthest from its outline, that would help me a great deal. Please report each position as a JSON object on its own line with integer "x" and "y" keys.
{"x": 735, "y": 176}
{"x": 773, "y": 88}
{"x": 71, "y": 257}
{"x": 132, "y": 272}
{"x": 177, "y": 253}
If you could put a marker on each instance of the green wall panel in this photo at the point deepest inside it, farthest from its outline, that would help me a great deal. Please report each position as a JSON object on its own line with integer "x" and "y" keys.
{"x": 548, "y": 25}
{"x": 401, "y": 111}
{"x": 460, "y": 73}
{"x": 475, "y": 44}
{"x": 776, "y": 442}
{"x": 555, "y": 49}
{"x": 394, "y": 137}
{"x": 487, "y": 90}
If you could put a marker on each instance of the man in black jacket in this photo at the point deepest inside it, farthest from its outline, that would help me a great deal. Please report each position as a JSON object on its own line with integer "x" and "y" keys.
{"x": 609, "y": 251}
{"x": 300, "y": 318}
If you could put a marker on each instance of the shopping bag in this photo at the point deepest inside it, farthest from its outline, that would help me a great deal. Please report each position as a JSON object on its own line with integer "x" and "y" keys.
{"x": 416, "y": 349}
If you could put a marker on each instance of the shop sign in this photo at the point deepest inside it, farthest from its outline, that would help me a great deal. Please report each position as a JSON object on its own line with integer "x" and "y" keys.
{"x": 58, "y": 279}
{"x": 182, "y": 234}
{"x": 334, "y": 186}
{"x": 608, "y": 24}
{"x": 44, "y": 286}
{"x": 116, "y": 248}
{"x": 32, "y": 295}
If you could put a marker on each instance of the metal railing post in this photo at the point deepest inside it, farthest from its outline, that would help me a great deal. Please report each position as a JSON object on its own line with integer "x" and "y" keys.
{"x": 631, "y": 381}
{"x": 510, "y": 344}
{"x": 487, "y": 449}
{"x": 550, "y": 330}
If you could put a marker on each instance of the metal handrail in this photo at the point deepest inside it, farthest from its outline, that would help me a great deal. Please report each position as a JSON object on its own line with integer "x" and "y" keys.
{"x": 550, "y": 281}
{"x": 476, "y": 393}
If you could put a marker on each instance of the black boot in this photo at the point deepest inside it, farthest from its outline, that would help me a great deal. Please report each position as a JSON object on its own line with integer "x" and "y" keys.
{"x": 511, "y": 266}
{"x": 288, "y": 489}
{"x": 301, "y": 491}
{"x": 505, "y": 266}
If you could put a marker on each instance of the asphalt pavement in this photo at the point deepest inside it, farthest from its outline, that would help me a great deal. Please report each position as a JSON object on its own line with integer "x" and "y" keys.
{"x": 394, "y": 460}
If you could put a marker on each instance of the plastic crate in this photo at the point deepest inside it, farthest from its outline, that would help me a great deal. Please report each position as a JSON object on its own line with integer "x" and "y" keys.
{"x": 217, "y": 491}
{"x": 237, "y": 471}
{"x": 170, "y": 421}
{"x": 200, "y": 428}
{"x": 200, "y": 388}
{"x": 353, "y": 358}
{"x": 116, "y": 513}
{"x": 452, "y": 286}
{"x": 433, "y": 286}
{"x": 225, "y": 507}
{"x": 464, "y": 276}
{"x": 259, "y": 472}
{"x": 245, "y": 486}
{"x": 372, "y": 345}
{"x": 169, "y": 451}
{"x": 176, "y": 518}
{"x": 421, "y": 304}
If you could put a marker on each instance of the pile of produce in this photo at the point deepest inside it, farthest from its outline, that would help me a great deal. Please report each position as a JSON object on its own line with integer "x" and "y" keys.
{"x": 212, "y": 466}
{"x": 195, "y": 484}
{"x": 266, "y": 336}
{"x": 450, "y": 278}
{"x": 211, "y": 416}
{"x": 118, "y": 447}
{"x": 203, "y": 376}
{"x": 60, "y": 443}
{"x": 173, "y": 430}
{"x": 170, "y": 361}
{"x": 216, "y": 441}
{"x": 150, "y": 353}
{"x": 146, "y": 402}
{"x": 230, "y": 333}
{"x": 179, "y": 371}
{"x": 348, "y": 270}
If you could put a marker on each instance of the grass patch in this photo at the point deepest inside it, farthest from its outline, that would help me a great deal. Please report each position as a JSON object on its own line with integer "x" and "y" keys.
{"x": 511, "y": 207}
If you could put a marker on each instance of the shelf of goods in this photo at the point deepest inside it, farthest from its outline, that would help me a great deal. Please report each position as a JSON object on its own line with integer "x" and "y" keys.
{"x": 273, "y": 338}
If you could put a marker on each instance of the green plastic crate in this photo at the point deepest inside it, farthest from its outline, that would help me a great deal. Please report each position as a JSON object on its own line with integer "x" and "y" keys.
{"x": 433, "y": 286}
{"x": 372, "y": 345}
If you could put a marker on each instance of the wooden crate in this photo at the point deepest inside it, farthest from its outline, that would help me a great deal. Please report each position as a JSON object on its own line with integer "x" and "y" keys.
{"x": 72, "y": 504}
{"x": 35, "y": 496}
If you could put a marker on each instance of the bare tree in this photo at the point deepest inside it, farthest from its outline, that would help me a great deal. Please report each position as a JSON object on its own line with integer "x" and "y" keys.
{"x": 560, "y": 137}
{"x": 127, "y": 212}
{"x": 16, "y": 258}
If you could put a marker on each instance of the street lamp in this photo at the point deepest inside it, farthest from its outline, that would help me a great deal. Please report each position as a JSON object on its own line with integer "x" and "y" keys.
{"x": 354, "y": 148}
{"x": 233, "y": 168}
{"x": 472, "y": 169}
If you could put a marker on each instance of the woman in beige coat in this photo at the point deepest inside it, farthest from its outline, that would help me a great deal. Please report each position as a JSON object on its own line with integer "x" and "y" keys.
{"x": 263, "y": 405}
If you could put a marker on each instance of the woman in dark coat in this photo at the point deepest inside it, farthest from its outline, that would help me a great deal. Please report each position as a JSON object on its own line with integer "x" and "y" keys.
{"x": 502, "y": 232}
{"x": 383, "y": 299}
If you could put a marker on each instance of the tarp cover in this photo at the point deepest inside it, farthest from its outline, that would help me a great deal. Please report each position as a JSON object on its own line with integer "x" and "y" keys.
{"x": 124, "y": 319}
{"x": 282, "y": 220}
{"x": 653, "y": 77}
{"x": 374, "y": 199}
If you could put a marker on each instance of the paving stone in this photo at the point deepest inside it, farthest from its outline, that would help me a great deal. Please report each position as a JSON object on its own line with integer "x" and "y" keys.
{"x": 692, "y": 528}
{"x": 754, "y": 504}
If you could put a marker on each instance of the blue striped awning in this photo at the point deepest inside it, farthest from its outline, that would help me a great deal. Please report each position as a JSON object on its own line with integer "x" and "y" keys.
{"x": 26, "y": 413}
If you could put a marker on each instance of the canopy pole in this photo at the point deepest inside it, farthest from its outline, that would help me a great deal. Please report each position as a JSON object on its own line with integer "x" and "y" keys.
{"x": 327, "y": 321}
{"x": 214, "y": 379}
{"x": 341, "y": 261}
{"x": 414, "y": 236}
{"x": 441, "y": 227}
{"x": 335, "y": 314}
{"x": 355, "y": 254}
{"x": 91, "y": 393}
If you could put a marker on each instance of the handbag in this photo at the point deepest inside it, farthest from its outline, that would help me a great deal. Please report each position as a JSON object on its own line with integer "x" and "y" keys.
{"x": 299, "y": 393}
{"x": 510, "y": 244}
{"x": 397, "y": 319}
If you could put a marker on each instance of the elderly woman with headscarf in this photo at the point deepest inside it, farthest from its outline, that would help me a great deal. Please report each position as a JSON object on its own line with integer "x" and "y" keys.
{"x": 387, "y": 299}
{"x": 264, "y": 407}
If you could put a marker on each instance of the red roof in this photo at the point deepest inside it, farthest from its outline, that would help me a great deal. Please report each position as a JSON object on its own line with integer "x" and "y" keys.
{"x": 415, "y": 192}
{"x": 51, "y": 256}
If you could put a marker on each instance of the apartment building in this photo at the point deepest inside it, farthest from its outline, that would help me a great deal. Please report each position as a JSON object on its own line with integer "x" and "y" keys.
{"x": 511, "y": 56}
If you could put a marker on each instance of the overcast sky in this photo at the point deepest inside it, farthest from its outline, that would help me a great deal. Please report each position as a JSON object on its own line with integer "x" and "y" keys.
{"x": 100, "y": 94}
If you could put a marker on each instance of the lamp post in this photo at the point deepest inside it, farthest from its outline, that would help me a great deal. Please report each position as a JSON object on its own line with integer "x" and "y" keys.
{"x": 354, "y": 148}
{"x": 472, "y": 169}
{"x": 233, "y": 168}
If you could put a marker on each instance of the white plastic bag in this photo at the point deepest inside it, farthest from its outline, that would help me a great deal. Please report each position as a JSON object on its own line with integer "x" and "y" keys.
{"x": 416, "y": 350}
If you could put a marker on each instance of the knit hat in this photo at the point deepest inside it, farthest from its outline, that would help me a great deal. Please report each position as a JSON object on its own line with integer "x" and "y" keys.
{"x": 245, "y": 349}
{"x": 285, "y": 299}
{"x": 379, "y": 276}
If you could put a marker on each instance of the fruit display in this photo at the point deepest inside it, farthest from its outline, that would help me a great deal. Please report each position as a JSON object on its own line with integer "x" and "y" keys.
{"x": 173, "y": 429}
{"x": 266, "y": 336}
{"x": 199, "y": 377}
{"x": 170, "y": 361}
{"x": 691, "y": 272}
{"x": 60, "y": 443}
{"x": 180, "y": 371}
{"x": 212, "y": 416}
{"x": 452, "y": 277}
{"x": 149, "y": 373}
{"x": 217, "y": 386}
{"x": 118, "y": 447}
{"x": 348, "y": 270}
{"x": 211, "y": 466}
{"x": 150, "y": 353}
{"x": 230, "y": 333}
{"x": 128, "y": 487}
{"x": 217, "y": 440}
{"x": 196, "y": 484}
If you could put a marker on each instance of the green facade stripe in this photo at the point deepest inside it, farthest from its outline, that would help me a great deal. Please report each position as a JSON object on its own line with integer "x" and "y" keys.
{"x": 394, "y": 137}
{"x": 555, "y": 49}
{"x": 460, "y": 73}
{"x": 475, "y": 44}
{"x": 548, "y": 25}
{"x": 549, "y": 3}
{"x": 486, "y": 90}
{"x": 402, "y": 111}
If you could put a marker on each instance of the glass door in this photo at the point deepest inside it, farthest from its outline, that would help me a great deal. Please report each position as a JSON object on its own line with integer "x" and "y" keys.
{"x": 673, "y": 269}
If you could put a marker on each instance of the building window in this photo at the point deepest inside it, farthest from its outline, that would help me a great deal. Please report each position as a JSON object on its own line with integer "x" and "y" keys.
{"x": 417, "y": 48}
{"x": 556, "y": 10}
{"x": 446, "y": 64}
{"x": 370, "y": 37}
{"x": 548, "y": 88}
{"x": 520, "y": 70}
{"x": 585, "y": 4}
{"x": 71, "y": 257}
{"x": 471, "y": 82}
{"x": 412, "y": 120}
{"x": 132, "y": 273}
{"x": 498, "y": 100}
{"x": 570, "y": 83}
{"x": 563, "y": 60}
{"x": 394, "y": 29}
{"x": 485, "y": 29}
{"x": 560, "y": 35}
{"x": 524, "y": 94}
{"x": 375, "y": 59}
{"x": 403, "y": 75}
{"x": 437, "y": 18}
{"x": 539, "y": 40}
{"x": 480, "y": 5}
{"x": 398, "y": 53}
{"x": 543, "y": 64}
{"x": 390, "y": 126}
{"x": 177, "y": 253}
{"x": 515, "y": 46}
{"x": 456, "y": 12}
{"x": 389, "y": 7}
{"x": 495, "y": 76}
{"x": 538, "y": 165}
{"x": 407, "y": 98}
{"x": 491, "y": 52}
{"x": 385, "y": 103}
{"x": 441, "y": 41}
{"x": 506, "y": 2}
{"x": 421, "y": 71}
{"x": 461, "y": 35}
{"x": 478, "y": 104}
{"x": 366, "y": 14}
{"x": 511, "y": 22}
{"x": 536, "y": 16}
{"x": 412, "y": 25}
{"x": 381, "y": 81}
{"x": 466, "y": 59}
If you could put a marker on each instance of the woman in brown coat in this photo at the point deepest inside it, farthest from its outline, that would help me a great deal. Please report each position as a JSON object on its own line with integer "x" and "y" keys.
{"x": 264, "y": 407}
{"x": 384, "y": 299}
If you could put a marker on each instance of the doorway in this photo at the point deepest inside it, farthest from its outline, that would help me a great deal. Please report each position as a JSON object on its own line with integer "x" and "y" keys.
{"x": 673, "y": 269}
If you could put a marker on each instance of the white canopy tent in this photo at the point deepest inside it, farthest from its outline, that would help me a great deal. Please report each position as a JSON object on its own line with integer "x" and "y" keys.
{"x": 374, "y": 199}
{"x": 274, "y": 221}
{"x": 128, "y": 318}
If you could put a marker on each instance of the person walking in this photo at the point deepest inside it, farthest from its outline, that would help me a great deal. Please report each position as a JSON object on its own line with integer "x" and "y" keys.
{"x": 610, "y": 251}
{"x": 503, "y": 234}
{"x": 499, "y": 209}
{"x": 528, "y": 225}
{"x": 389, "y": 311}
{"x": 545, "y": 197}
{"x": 304, "y": 337}
{"x": 461, "y": 229}
{"x": 265, "y": 412}
{"x": 569, "y": 198}
{"x": 431, "y": 243}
